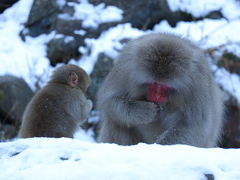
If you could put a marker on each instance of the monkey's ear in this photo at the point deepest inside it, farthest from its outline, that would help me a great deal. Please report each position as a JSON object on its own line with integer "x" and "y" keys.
{"x": 73, "y": 79}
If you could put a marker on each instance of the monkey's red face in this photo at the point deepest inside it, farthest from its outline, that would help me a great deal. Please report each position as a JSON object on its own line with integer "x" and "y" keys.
{"x": 157, "y": 92}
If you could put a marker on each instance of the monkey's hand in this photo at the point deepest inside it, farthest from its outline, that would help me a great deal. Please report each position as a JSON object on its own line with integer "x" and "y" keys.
{"x": 89, "y": 105}
{"x": 86, "y": 108}
{"x": 139, "y": 112}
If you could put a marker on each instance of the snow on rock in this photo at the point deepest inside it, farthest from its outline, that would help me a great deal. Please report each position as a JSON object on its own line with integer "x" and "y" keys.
{"x": 92, "y": 15}
{"x": 61, "y": 159}
{"x": 29, "y": 59}
{"x": 108, "y": 43}
{"x": 229, "y": 8}
{"x": 206, "y": 33}
{"x": 230, "y": 82}
{"x": 23, "y": 59}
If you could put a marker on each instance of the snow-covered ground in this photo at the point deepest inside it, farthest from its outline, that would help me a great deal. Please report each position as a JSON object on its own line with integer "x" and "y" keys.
{"x": 68, "y": 159}
{"x": 82, "y": 158}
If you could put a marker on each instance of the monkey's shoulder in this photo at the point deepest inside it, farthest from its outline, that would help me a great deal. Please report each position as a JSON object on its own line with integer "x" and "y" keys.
{"x": 57, "y": 94}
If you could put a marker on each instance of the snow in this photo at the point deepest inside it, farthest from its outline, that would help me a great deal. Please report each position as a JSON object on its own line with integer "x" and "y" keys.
{"x": 108, "y": 43}
{"x": 61, "y": 159}
{"x": 61, "y": 3}
{"x": 23, "y": 59}
{"x": 229, "y": 8}
{"x": 230, "y": 82}
{"x": 208, "y": 32}
{"x": 80, "y": 32}
{"x": 68, "y": 39}
{"x": 87, "y": 135}
{"x": 234, "y": 48}
{"x": 92, "y": 16}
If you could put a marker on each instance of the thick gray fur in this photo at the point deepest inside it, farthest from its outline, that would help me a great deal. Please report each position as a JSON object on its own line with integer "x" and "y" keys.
{"x": 193, "y": 115}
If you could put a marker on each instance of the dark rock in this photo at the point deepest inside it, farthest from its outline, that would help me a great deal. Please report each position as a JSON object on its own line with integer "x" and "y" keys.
{"x": 214, "y": 15}
{"x": 16, "y": 94}
{"x": 7, "y": 131}
{"x": 102, "y": 67}
{"x": 154, "y": 11}
{"x": 1, "y": 96}
{"x": 42, "y": 15}
{"x": 60, "y": 50}
{"x": 67, "y": 27}
{"x": 64, "y": 158}
{"x": 4, "y": 4}
{"x": 45, "y": 17}
{"x": 41, "y": 9}
{"x": 184, "y": 16}
{"x": 12, "y": 154}
{"x": 231, "y": 134}
{"x": 209, "y": 176}
{"x": 230, "y": 62}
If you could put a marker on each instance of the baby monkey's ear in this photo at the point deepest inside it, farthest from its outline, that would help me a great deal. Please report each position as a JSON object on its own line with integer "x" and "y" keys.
{"x": 73, "y": 79}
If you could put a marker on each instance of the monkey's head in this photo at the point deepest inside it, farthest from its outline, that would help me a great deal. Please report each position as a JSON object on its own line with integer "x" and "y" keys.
{"x": 162, "y": 57}
{"x": 71, "y": 75}
{"x": 159, "y": 63}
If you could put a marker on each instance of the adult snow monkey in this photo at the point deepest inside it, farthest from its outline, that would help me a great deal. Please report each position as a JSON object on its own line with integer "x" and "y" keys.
{"x": 160, "y": 90}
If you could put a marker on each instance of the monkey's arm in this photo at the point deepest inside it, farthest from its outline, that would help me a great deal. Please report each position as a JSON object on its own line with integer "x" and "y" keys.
{"x": 184, "y": 128}
{"x": 131, "y": 112}
{"x": 86, "y": 107}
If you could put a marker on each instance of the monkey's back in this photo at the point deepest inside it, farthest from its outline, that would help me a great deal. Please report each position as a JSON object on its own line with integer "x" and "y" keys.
{"x": 53, "y": 112}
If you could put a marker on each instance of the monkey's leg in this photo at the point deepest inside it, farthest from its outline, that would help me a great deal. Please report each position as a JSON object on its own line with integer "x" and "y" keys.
{"x": 113, "y": 133}
{"x": 181, "y": 135}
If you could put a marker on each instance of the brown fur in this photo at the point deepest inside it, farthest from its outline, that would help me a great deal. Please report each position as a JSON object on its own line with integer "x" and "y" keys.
{"x": 58, "y": 109}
